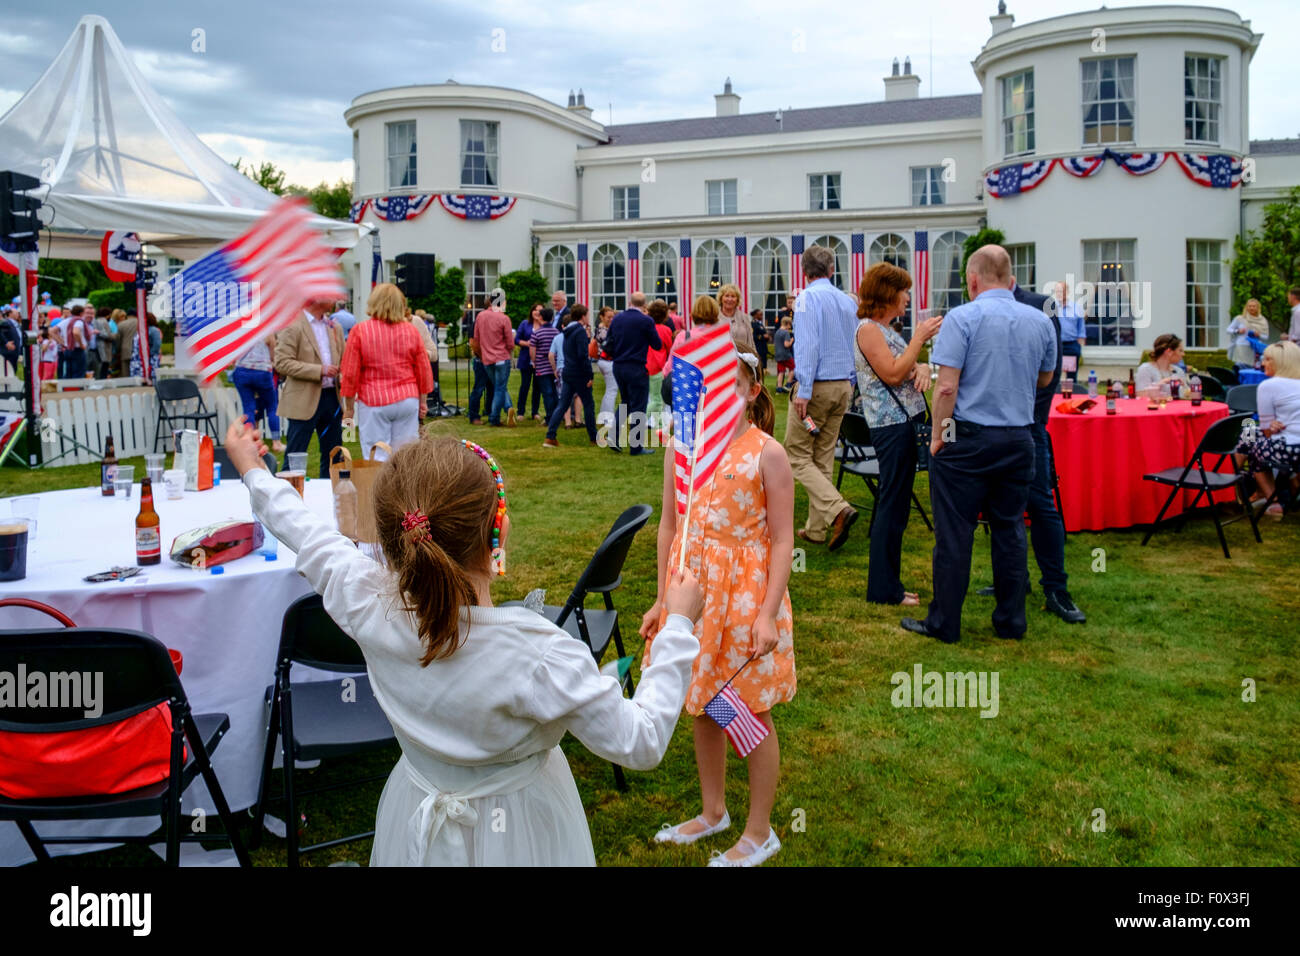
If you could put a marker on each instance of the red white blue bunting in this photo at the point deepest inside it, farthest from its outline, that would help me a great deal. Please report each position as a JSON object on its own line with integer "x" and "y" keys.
{"x": 1082, "y": 166}
{"x": 465, "y": 206}
{"x": 358, "y": 210}
{"x": 1214, "y": 171}
{"x": 1138, "y": 164}
{"x": 1017, "y": 178}
{"x": 400, "y": 208}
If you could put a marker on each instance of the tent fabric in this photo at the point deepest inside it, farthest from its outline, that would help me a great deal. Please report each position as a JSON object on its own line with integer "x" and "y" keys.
{"x": 116, "y": 156}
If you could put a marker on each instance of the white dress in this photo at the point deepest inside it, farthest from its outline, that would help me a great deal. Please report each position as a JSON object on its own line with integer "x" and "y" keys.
{"x": 481, "y": 780}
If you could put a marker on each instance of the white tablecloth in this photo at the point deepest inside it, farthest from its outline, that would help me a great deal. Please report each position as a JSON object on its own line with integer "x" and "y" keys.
{"x": 226, "y": 625}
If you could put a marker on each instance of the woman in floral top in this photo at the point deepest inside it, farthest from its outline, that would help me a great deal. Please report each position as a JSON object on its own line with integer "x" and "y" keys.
{"x": 892, "y": 384}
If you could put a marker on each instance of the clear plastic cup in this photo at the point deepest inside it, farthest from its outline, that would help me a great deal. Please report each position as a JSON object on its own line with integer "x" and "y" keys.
{"x": 174, "y": 479}
{"x": 153, "y": 467}
{"x": 123, "y": 480}
{"x": 27, "y": 507}
{"x": 297, "y": 461}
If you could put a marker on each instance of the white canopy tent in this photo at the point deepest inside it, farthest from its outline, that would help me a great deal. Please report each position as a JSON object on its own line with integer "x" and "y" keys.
{"x": 115, "y": 156}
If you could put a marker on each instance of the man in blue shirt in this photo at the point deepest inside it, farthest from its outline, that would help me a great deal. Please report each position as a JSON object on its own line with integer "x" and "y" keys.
{"x": 992, "y": 354}
{"x": 631, "y": 335}
{"x": 1074, "y": 332}
{"x": 344, "y": 318}
{"x": 825, "y": 320}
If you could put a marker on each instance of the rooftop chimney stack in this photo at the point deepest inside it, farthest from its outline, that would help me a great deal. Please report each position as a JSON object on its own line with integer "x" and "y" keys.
{"x": 580, "y": 104}
{"x": 904, "y": 86}
{"x": 573, "y": 100}
{"x": 728, "y": 103}
{"x": 1003, "y": 21}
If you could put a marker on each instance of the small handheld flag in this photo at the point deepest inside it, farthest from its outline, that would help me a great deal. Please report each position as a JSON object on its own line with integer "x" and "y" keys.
{"x": 706, "y": 407}
{"x": 743, "y": 729}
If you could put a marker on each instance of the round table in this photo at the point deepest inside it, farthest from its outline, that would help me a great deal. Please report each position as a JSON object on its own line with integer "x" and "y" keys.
{"x": 1250, "y": 376}
{"x": 226, "y": 625}
{"x": 1100, "y": 460}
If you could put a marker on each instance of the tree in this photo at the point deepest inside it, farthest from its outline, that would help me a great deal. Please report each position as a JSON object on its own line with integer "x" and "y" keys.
{"x": 523, "y": 290}
{"x": 332, "y": 201}
{"x": 1266, "y": 261}
{"x": 67, "y": 279}
{"x": 985, "y": 237}
{"x": 269, "y": 176}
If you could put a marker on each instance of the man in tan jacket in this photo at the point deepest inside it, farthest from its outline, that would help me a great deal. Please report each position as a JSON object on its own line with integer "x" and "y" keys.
{"x": 307, "y": 357}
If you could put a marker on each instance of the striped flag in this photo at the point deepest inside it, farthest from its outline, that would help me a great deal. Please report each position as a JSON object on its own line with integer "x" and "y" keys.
{"x": 688, "y": 281}
{"x": 742, "y": 273}
{"x": 253, "y": 286}
{"x": 921, "y": 270}
{"x": 858, "y": 248}
{"x": 796, "y": 263}
{"x": 633, "y": 267}
{"x": 704, "y": 378}
{"x": 583, "y": 294}
{"x": 743, "y": 729}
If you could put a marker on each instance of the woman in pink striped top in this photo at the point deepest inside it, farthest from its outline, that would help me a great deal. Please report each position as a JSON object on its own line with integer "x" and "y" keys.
{"x": 385, "y": 370}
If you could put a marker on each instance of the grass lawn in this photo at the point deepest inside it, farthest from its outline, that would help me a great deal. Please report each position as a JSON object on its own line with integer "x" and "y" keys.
{"x": 1138, "y": 713}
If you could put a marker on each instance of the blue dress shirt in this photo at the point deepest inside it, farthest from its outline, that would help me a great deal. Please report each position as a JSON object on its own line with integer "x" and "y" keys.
{"x": 1072, "y": 324}
{"x": 825, "y": 321}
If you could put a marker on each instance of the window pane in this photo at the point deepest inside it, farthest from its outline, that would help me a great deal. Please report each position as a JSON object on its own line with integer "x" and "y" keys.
{"x": 1108, "y": 100}
{"x": 713, "y": 267}
{"x": 1109, "y": 265}
{"x": 401, "y": 155}
{"x": 1204, "y": 293}
{"x": 558, "y": 265}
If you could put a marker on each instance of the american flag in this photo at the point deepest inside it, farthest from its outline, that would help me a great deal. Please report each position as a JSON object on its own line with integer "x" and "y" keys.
{"x": 633, "y": 266}
{"x": 742, "y": 273}
{"x": 743, "y": 729}
{"x": 796, "y": 263}
{"x": 704, "y": 378}
{"x": 584, "y": 276}
{"x": 858, "y": 249}
{"x": 287, "y": 265}
{"x": 921, "y": 272}
{"x": 687, "y": 284}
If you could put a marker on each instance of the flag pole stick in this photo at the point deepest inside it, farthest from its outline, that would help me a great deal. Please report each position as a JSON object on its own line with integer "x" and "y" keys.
{"x": 690, "y": 485}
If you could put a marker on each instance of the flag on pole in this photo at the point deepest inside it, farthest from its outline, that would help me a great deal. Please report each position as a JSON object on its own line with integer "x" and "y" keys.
{"x": 704, "y": 377}
{"x": 633, "y": 267}
{"x": 796, "y": 263}
{"x": 921, "y": 272}
{"x": 742, "y": 272}
{"x": 743, "y": 729}
{"x": 688, "y": 298}
{"x": 273, "y": 270}
{"x": 858, "y": 254}
{"x": 583, "y": 293}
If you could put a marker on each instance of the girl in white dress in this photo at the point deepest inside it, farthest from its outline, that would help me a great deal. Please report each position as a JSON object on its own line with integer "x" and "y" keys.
{"x": 478, "y": 696}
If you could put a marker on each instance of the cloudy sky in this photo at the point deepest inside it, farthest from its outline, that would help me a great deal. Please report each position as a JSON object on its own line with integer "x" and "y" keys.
{"x": 276, "y": 75}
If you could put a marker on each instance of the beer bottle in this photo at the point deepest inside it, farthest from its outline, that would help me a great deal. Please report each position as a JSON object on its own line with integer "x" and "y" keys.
{"x": 148, "y": 538}
{"x": 1132, "y": 385}
{"x": 108, "y": 469}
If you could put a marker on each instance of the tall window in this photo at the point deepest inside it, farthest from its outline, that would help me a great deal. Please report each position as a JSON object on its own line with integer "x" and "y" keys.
{"x": 608, "y": 278}
{"x": 480, "y": 279}
{"x": 927, "y": 186}
{"x": 824, "y": 191}
{"x": 713, "y": 267}
{"x": 478, "y": 153}
{"x": 401, "y": 154}
{"x": 1204, "y": 293}
{"x": 627, "y": 202}
{"x": 1108, "y": 101}
{"x": 722, "y": 197}
{"x": 1109, "y": 264}
{"x": 945, "y": 267}
{"x": 895, "y": 250}
{"x": 1202, "y": 98}
{"x": 356, "y": 161}
{"x": 659, "y": 271}
{"x": 1023, "y": 267}
{"x": 1018, "y": 113}
{"x": 769, "y": 261}
{"x": 558, "y": 265}
{"x": 841, "y": 279}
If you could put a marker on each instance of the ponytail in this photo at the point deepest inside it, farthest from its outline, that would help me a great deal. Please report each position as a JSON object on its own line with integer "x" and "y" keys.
{"x": 433, "y": 588}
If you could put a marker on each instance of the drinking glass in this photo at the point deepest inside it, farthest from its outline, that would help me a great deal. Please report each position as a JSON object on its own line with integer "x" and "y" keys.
{"x": 123, "y": 480}
{"x": 153, "y": 467}
{"x": 297, "y": 461}
{"x": 27, "y": 507}
{"x": 14, "y": 534}
{"x": 175, "y": 481}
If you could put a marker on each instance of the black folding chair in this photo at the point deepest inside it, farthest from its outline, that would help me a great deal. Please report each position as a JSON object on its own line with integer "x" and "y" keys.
{"x": 1242, "y": 398}
{"x": 1226, "y": 376}
{"x": 858, "y": 457}
{"x": 1213, "y": 390}
{"x": 174, "y": 409}
{"x": 228, "y": 470}
{"x": 603, "y": 575}
{"x": 1220, "y": 439}
{"x": 138, "y": 674}
{"x": 317, "y": 720}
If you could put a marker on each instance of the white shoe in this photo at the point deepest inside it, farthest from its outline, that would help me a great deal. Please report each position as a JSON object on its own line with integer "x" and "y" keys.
{"x": 756, "y": 856}
{"x": 671, "y": 834}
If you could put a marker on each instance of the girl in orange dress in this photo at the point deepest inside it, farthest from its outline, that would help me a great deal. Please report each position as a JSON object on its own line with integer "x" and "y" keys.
{"x": 739, "y": 543}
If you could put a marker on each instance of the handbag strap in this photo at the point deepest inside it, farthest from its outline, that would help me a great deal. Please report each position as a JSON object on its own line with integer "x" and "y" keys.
{"x": 890, "y": 389}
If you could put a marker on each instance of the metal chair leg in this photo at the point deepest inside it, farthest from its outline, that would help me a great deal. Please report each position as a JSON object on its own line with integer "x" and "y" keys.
{"x": 33, "y": 841}
{"x": 1163, "y": 508}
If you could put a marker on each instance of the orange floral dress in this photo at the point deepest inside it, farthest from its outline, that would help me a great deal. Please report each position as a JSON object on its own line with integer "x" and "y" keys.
{"x": 728, "y": 550}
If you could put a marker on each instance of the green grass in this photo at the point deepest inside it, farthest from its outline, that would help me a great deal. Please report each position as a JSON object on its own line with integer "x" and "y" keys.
{"x": 1137, "y": 713}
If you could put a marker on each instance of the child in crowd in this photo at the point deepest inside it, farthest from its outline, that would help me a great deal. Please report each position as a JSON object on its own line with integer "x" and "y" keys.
{"x": 49, "y": 356}
{"x": 739, "y": 538}
{"x": 478, "y": 696}
{"x": 783, "y": 343}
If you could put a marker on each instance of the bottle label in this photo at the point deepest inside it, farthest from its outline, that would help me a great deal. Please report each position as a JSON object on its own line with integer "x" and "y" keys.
{"x": 107, "y": 474}
{"x": 148, "y": 543}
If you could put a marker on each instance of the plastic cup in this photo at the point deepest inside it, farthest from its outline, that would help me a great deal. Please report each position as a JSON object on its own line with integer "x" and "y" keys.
{"x": 14, "y": 533}
{"x": 153, "y": 467}
{"x": 297, "y": 461}
{"x": 296, "y": 478}
{"x": 28, "y": 507}
{"x": 123, "y": 480}
{"x": 175, "y": 482}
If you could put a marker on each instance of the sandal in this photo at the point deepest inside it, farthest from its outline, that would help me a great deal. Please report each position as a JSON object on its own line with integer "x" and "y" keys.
{"x": 755, "y": 855}
{"x": 671, "y": 834}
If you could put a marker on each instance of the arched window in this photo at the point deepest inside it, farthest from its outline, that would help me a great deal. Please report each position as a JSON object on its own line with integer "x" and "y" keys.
{"x": 894, "y": 249}
{"x": 659, "y": 271}
{"x": 768, "y": 280}
{"x": 841, "y": 278}
{"x": 713, "y": 268}
{"x": 945, "y": 268}
{"x": 558, "y": 265}
{"x": 608, "y": 278}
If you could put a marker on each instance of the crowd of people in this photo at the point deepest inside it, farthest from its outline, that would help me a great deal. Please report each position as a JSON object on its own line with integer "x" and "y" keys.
{"x": 79, "y": 341}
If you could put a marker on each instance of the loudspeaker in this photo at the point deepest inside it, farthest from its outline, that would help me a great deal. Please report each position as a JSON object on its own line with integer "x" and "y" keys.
{"x": 414, "y": 273}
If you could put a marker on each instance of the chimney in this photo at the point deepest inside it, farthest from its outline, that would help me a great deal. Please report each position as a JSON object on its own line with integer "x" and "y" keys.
{"x": 727, "y": 101}
{"x": 905, "y": 86}
{"x": 572, "y": 100}
{"x": 580, "y": 105}
{"x": 1003, "y": 21}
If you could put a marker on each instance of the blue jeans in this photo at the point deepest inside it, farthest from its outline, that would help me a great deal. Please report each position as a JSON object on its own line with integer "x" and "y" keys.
{"x": 568, "y": 390}
{"x": 500, "y": 375}
{"x": 258, "y": 397}
{"x": 1046, "y": 529}
{"x": 543, "y": 385}
{"x": 482, "y": 381}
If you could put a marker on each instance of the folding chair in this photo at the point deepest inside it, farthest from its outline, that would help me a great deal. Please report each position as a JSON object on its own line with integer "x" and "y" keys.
{"x": 138, "y": 675}
{"x": 1220, "y": 439}
{"x": 173, "y": 393}
{"x": 1226, "y": 376}
{"x": 316, "y": 720}
{"x": 604, "y": 574}
{"x": 859, "y": 458}
{"x": 1213, "y": 390}
{"x": 228, "y": 470}
{"x": 1242, "y": 398}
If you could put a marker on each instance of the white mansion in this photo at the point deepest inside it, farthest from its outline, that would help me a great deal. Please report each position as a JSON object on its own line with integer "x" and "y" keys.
{"x": 1110, "y": 145}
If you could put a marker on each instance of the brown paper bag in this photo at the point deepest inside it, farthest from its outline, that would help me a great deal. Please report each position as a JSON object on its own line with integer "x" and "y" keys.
{"x": 364, "y": 472}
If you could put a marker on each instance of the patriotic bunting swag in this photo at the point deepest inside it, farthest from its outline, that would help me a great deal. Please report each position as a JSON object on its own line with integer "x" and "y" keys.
{"x": 1214, "y": 171}
{"x": 464, "y": 206}
{"x": 400, "y": 208}
{"x": 1017, "y": 178}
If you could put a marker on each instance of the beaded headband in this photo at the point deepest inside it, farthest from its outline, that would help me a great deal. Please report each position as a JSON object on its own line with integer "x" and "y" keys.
{"x": 498, "y": 553}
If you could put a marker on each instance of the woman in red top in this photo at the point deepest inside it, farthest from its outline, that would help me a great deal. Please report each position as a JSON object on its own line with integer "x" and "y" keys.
{"x": 385, "y": 369}
{"x": 654, "y": 362}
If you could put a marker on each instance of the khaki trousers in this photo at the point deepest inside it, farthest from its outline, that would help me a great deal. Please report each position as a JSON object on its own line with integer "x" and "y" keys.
{"x": 812, "y": 457}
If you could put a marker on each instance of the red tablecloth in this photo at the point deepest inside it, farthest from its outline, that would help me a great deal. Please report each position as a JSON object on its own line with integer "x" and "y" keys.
{"x": 1100, "y": 460}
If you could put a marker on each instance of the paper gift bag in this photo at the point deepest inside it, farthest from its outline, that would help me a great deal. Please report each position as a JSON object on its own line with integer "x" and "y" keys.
{"x": 195, "y": 460}
{"x": 364, "y": 472}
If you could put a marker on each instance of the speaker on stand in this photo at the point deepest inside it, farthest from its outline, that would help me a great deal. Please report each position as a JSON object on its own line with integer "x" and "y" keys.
{"x": 414, "y": 274}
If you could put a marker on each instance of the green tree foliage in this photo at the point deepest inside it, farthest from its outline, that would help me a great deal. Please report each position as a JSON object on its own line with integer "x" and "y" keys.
{"x": 332, "y": 201}
{"x": 112, "y": 297}
{"x": 1266, "y": 261}
{"x": 68, "y": 279}
{"x": 985, "y": 237}
{"x": 523, "y": 290}
{"x": 269, "y": 176}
